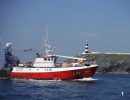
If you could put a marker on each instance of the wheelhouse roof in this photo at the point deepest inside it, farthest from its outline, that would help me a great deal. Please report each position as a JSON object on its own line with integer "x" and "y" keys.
{"x": 47, "y": 57}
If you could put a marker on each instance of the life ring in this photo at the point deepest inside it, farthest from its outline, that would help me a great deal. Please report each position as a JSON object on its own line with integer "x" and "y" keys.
{"x": 71, "y": 65}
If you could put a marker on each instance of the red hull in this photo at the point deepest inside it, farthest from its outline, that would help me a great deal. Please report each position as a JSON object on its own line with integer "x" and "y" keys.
{"x": 71, "y": 74}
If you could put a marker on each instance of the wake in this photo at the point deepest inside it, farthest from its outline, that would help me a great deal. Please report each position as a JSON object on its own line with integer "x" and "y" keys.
{"x": 86, "y": 79}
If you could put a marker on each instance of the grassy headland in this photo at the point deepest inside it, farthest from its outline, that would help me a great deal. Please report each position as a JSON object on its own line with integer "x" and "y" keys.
{"x": 110, "y": 63}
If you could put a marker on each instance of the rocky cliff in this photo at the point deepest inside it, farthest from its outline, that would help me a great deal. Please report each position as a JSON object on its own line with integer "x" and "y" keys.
{"x": 110, "y": 63}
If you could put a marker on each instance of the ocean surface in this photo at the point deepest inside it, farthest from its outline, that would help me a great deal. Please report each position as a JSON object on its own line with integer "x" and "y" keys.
{"x": 100, "y": 87}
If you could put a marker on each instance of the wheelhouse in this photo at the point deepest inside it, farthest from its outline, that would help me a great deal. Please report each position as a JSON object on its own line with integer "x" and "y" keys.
{"x": 45, "y": 61}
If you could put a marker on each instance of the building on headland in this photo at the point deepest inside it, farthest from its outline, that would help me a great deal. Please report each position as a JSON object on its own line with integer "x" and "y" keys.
{"x": 96, "y": 52}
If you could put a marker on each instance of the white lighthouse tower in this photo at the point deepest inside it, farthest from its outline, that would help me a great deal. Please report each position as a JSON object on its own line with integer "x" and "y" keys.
{"x": 86, "y": 48}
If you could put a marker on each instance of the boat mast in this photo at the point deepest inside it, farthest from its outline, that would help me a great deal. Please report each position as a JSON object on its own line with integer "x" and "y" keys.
{"x": 47, "y": 45}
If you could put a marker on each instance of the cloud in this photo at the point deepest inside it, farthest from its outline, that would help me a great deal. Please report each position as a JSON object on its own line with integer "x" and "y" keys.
{"x": 91, "y": 35}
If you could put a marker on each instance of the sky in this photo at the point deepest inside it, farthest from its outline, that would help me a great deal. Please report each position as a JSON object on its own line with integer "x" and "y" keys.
{"x": 104, "y": 23}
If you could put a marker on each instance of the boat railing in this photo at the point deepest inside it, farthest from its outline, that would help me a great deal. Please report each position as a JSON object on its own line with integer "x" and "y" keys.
{"x": 76, "y": 64}
{"x": 26, "y": 65}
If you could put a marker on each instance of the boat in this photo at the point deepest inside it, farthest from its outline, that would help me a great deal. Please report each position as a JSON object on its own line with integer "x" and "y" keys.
{"x": 46, "y": 67}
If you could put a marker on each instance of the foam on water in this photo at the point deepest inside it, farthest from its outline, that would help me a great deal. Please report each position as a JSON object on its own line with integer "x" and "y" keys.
{"x": 83, "y": 79}
{"x": 55, "y": 80}
{"x": 43, "y": 80}
{"x": 3, "y": 78}
{"x": 86, "y": 79}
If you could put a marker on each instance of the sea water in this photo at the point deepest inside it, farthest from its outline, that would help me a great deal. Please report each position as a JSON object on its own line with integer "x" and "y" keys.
{"x": 100, "y": 87}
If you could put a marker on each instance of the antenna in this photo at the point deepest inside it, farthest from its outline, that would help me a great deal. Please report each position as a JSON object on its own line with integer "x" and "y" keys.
{"x": 47, "y": 44}
{"x": 47, "y": 32}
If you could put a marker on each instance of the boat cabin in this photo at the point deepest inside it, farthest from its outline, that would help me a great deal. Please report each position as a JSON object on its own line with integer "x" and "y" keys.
{"x": 45, "y": 61}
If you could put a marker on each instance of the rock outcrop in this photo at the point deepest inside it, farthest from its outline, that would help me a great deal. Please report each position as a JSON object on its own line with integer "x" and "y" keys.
{"x": 110, "y": 63}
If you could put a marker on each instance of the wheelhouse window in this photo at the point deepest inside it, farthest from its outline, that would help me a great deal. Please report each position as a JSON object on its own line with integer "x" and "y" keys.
{"x": 52, "y": 59}
{"x": 48, "y": 59}
{"x": 45, "y": 59}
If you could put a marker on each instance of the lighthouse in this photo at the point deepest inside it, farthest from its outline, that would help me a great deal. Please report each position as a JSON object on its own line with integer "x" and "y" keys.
{"x": 86, "y": 47}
